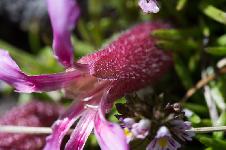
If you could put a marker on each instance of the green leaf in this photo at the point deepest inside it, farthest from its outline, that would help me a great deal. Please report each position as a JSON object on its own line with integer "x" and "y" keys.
{"x": 221, "y": 41}
{"x": 195, "y": 119}
{"x": 205, "y": 122}
{"x": 215, "y": 144}
{"x": 182, "y": 72}
{"x": 181, "y": 4}
{"x": 199, "y": 109}
{"x": 82, "y": 48}
{"x": 46, "y": 55}
{"x": 27, "y": 62}
{"x": 178, "y": 46}
{"x": 92, "y": 143}
{"x": 220, "y": 122}
{"x": 214, "y": 13}
{"x": 216, "y": 51}
{"x": 194, "y": 62}
{"x": 175, "y": 34}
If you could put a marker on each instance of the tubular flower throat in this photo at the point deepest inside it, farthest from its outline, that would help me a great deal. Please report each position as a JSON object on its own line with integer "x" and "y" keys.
{"x": 95, "y": 81}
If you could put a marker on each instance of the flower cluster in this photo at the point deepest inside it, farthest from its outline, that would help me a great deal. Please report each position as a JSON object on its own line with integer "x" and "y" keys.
{"x": 135, "y": 130}
{"x": 164, "y": 125}
{"x": 35, "y": 114}
{"x": 95, "y": 81}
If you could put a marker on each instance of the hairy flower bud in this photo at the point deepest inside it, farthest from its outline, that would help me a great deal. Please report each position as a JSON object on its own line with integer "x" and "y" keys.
{"x": 133, "y": 61}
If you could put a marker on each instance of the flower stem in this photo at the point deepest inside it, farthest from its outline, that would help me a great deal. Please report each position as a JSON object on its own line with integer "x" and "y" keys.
{"x": 201, "y": 83}
{"x": 47, "y": 130}
{"x": 207, "y": 129}
{"x": 26, "y": 130}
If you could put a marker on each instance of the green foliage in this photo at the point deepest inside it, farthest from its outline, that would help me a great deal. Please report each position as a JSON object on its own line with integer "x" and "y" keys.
{"x": 214, "y": 13}
{"x": 216, "y": 51}
{"x": 214, "y": 144}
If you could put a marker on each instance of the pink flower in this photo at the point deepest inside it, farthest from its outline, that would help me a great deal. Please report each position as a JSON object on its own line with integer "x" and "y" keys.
{"x": 129, "y": 63}
{"x": 149, "y": 6}
{"x": 36, "y": 114}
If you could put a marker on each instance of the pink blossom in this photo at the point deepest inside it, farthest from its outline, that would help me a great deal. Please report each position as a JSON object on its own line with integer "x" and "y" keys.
{"x": 36, "y": 114}
{"x": 95, "y": 81}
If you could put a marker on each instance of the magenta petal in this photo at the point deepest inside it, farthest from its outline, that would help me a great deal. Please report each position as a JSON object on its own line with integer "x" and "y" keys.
{"x": 61, "y": 127}
{"x": 11, "y": 73}
{"x": 63, "y": 15}
{"x": 110, "y": 136}
{"x": 82, "y": 130}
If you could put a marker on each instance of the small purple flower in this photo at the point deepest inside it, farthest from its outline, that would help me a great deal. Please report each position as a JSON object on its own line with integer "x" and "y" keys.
{"x": 163, "y": 141}
{"x": 179, "y": 128}
{"x": 129, "y": 63}
{"x": 135, "y": 130}
{"x": 141, "y": 129}
{"x": 129, "y": 135}
{"x": 128, "y": 122}
{"x": 149, "y": 6}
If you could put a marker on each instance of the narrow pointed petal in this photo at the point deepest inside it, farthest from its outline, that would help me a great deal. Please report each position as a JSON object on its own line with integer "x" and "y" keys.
{"x": 82, "y": 130}
{"x": 61, "y": 127}
{"x": 110, "y": 136}
{"x": 63, "y": 15}
{"x": 11, "y": 73}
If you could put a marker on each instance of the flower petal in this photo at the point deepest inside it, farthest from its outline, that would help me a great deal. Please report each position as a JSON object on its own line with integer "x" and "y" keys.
{"x": 163, "y": 140}
{"x": 11, "y": 73}
{"x": 63, "y": 15}
{"x": 179, "y": 128}
{"x": 61, "y": 127}
{"x": 82, "y": 130}
{"x": 110, "y": 136}
{"x": 149, "y": 6}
